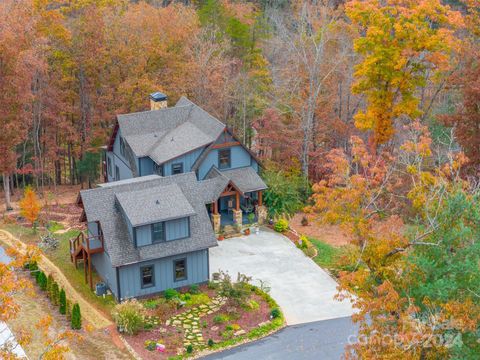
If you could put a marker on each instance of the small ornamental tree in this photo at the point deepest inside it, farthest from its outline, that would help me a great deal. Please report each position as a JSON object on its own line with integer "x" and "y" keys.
{"x": 63, "y": 302}
{"x": 42, "y": 281}
{"x": 50, "y": 282}
{"x": 30, "y": 206}
{"x": 76, "y": 317}
{"x": 54, "y": 293}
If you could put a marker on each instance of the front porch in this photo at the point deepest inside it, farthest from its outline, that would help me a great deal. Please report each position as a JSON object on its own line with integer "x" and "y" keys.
{"x": 235, "y": 208}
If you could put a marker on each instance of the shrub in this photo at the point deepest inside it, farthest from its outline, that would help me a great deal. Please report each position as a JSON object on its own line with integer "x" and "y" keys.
{"x": 150, "y": 345}
{"x": 165, "y": 308}
{"x": 189, "y": 348}
{"x": 151, "y": 303}
{"x": 275, "y": 313}
{"x": 68, "y": 309}
{"x": 304, "y": 221}
{"x": 238, "y": 291}
{"x": 210, "y": 342}
{"x": 218, "y": 319}
{"x": 251, "y": 305}
{"x": 54, "y": 293}
{"x": 227, "y": 334}
{"x": 76, "y": 322}
{"x": 129, "y": 316}
{"x": 49, "y": 286}
{"x": 281, "y": 225}
{"x": 33, "y": 267}
{"x": 194, "y": 289}
{"x": 63, "y": 302}
{"x": 310, "y": 252}
{"x": 198, "y": 299}
{"x": 42, "y": 281}
{"x": 212, "y": 285}
{"x": 170, "y": 294}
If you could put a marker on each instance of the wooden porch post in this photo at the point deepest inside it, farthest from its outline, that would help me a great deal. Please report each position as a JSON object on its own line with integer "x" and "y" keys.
{"x": 90, "y": 271}
{"x": 215, "y": 207}
{"x": 260, "y": 203}
{"x": 84, "y": 266}
{"x": 237, "y": 201}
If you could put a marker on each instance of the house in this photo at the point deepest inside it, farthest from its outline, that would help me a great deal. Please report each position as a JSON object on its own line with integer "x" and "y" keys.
{"x": 173, "y": 176}
{"x": 174, "y": 140}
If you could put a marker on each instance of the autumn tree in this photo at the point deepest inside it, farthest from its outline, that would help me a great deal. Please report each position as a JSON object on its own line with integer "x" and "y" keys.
{"x": 30, "y": 206}
{"x": 402, "y": 304}
{"x": 17, "y": 63}
{"x": 309, "y": 46}
{"x": 404, "y": 47}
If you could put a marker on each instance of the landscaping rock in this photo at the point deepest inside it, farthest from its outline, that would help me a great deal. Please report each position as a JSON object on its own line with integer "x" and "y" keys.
{"x": 239, "y": 332}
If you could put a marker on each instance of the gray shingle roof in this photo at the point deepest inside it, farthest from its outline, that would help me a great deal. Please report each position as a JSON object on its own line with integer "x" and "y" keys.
{"x": 245, "y": 179}
{"x": 161, "y": 203}
{"x": 100, "y": 205}
{"x": 168, "y": 133}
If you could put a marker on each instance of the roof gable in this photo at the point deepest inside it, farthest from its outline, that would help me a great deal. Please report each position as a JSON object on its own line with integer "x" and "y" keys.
{"x": 150, "y": 133}
{"x": 157, "y": 204}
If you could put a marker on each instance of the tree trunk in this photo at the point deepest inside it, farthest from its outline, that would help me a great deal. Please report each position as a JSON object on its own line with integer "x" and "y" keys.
{"x": 6, "y": 187}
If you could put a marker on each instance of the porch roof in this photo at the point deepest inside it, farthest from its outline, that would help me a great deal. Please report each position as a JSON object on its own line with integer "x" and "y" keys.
{"x": 245, "y": 179}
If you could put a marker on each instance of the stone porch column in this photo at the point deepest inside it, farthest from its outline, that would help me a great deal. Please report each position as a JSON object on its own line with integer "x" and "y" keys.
{"x": 216, "y": 221}
{"x": 237, "y": 217}
{"x": 261, "y": 214}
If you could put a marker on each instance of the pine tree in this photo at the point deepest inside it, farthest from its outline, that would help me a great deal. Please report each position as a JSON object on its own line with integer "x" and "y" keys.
{"x": 76, "y": 317}
{"x": 63, "y": 302}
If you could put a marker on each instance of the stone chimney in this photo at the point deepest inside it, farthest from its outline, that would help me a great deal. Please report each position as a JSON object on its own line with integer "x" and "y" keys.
{"x": 158, "y": 101}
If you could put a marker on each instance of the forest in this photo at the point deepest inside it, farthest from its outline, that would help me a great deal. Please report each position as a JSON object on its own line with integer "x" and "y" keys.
{"x": 365, "y": 113}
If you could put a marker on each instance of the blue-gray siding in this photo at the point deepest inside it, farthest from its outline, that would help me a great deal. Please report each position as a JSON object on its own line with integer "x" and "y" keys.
{"x": 177, "y": 229}
{"x": 103, "y": 266}
{"x": 239, "y": 158}
{"x": 117, "y": 159}
{"x": 174, "y": 229}
{"x": 187, "y": 160}
{"x": 146, "y": 166}
{"x": 130, "y": 277}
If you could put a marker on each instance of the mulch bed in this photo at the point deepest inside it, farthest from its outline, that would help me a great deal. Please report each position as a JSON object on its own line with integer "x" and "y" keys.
{"x": 172, "y": 337}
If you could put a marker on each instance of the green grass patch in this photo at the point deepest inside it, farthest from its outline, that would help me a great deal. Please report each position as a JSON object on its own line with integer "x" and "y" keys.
{"x": 61, "y": 258}
{"x": 54, "y": 226}
{"x": 332, "y": 258}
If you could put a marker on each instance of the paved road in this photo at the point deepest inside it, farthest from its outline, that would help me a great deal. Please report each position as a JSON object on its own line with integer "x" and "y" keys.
{"x": 304, "y": 291}
{"x": 321, "y": 340}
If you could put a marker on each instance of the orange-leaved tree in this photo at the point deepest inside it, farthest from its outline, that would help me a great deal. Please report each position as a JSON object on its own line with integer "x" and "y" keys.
{"x": 405, "y": 46}
{"x": 30, "y": 207}
{"x": 409, "y": 219}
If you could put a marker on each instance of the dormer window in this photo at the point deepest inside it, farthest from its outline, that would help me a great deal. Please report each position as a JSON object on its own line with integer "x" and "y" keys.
{"x": 158, "y": 169}
{"x": 158, "y": 232}
{"x": 224, "y": 159}
{"x": 177, "y": 168}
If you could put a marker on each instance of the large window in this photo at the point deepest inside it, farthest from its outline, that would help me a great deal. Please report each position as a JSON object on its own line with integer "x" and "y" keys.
{"x": 122, "y": 146}
{"x": 158, "y": 232}
{"x": 224, "y": 158}
{"x": 180, "y": 269}
{"x": 109, "y": 165}
{"x": 177, "y": 168}
{"x": 147, "y": 276}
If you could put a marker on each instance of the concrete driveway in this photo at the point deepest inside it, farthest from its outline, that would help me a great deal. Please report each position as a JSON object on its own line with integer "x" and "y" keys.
{"x": 303, "y": 290}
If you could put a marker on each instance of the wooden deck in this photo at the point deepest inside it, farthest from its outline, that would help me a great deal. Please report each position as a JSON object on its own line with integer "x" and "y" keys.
{"x": 82, "y": 248}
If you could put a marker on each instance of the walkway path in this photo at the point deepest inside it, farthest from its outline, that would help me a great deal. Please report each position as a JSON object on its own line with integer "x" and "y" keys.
{"x": 92, "y": 315}
{"x": 190, "y": 321}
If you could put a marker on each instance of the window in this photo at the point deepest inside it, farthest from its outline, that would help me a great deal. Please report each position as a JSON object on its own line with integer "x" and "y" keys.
{"x": 147, "y": 276}
{"x": 180, "y": 269}
{"x": 109, "y": 165}
{"x": 158, "y": 169}
{"x": 177, "y": 229}
{"x": 177, "y": 168}
{"x": 117, "y": 173}
{"x": 122, "y": 146}
{"x": 224, "y": 157}
{"x": 158, "y": 232}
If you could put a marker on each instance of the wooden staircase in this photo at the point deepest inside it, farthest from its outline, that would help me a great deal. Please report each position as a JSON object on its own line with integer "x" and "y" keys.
{"x": 81, "y": 249}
